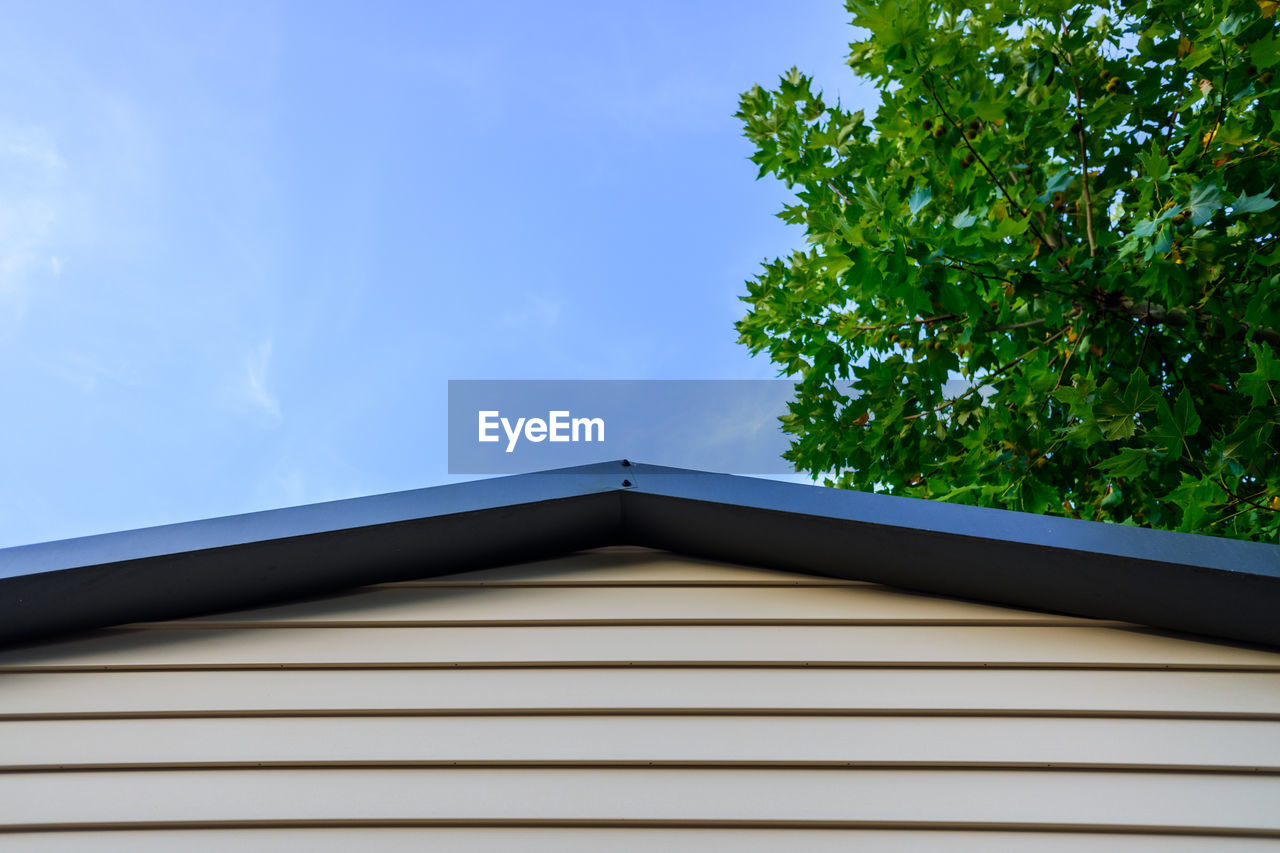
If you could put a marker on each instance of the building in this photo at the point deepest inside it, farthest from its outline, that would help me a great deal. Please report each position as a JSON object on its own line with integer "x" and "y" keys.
{"x": 626, "y": 657}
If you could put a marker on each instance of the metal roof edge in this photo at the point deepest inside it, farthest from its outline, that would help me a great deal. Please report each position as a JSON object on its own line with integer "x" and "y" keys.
{"x": 180, "y": 570}
{"x": 310, "y": 519}
{"x": 915, "y": 514}
{"x": 1221, "y": 588}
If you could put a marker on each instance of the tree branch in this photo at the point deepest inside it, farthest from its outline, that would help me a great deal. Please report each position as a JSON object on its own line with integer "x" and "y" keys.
{"x": 963, "y": 267}
{"x": 1144, "y": 311}
{"x": 1048, "y": 236}
{"x": 1152, "y": 312}
{"x": 954, "y": 264}
{"x": 1241, "y": 498}
{"x": 1038, "y": 321}
{"x": 1084, "y": 156}
{"x": 1084, "y": 171}
{"x": 1062, "y": 373}
{"x": 1222, "y": 98}
{"x": 926, "y": 321}
{"x": 987, "y": 168}
{"x": 1004, "y": 368}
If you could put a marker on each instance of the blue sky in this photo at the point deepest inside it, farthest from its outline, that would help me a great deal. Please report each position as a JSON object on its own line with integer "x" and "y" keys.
{"x": 244, "y": 246}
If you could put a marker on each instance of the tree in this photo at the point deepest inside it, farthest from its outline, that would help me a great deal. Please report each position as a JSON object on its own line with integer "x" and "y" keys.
{"x": 1069, "y": 212}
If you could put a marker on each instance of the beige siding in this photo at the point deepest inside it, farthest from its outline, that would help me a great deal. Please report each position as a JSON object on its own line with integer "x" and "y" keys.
{"x": 620, "y": 686}
{"x": 620, "y": 840}
{"x": 636, "y": 738}
{"x": 627, "y": 699}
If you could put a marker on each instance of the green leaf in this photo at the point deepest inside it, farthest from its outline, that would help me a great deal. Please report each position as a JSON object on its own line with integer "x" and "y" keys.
{"x": 1145, "y": 228}
{"x": 1245, "y": 203}
{"x": 1241, "y": 442}
{"x": 1118, "y": 429}
{"x": 1185, "y": 418}
{"x": 1175, "y": 425}
{"x": 1257, "y": 382}
{"x": 1197, "y": 58}
{"x": 1195, "y": 497}
{"x": 1058, "y": 183}
{"x": 1165, "y": 435}
{"x": 964, "y": 219}
{"x": 1265, "y": 52}
{"x": 1154, "y": 163}
{"x": 1127, "y": 464}
{"x": 855, "y": 121}
{"x": 1162, "y": 243}
{"x": 1118, "y": 410}
{"x": 918, "y": 199}
{"x": 1206, "y": 199}
{"x": 1233, "y": 24}
{"x": 1139, "y": 396}
{"x": 988, "y": 110}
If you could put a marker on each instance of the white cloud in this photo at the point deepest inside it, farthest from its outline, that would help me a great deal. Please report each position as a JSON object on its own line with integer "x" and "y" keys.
{"x": 32, "y": 196}
{"x": 33, "y": 149}
{"x": 256, "y": 364}
{"x": 87, "y": 371}
{"x": 536, "y": 311}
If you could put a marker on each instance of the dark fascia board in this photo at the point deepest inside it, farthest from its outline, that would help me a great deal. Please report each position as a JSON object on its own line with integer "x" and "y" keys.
{"x": 1223, "y": 588}
{"x": 179, "y": 570}
{"x": 1220, "y": 588}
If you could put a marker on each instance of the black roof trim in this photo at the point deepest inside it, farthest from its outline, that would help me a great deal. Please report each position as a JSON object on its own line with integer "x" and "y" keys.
{"x": 1217, "y": 587}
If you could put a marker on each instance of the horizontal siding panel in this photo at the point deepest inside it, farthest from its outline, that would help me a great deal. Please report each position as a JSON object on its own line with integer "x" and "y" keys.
{"x": 898, "y": 644}
{"x": 1225, "y": 801}
{"x": 624, "y": 565}
{"x": 929, "y": 712}
{"x": 817, "y": 689}
{"x": 630, "y": 840}
{"x": 1243, "y": 745}
{"x": 383, "y": 604}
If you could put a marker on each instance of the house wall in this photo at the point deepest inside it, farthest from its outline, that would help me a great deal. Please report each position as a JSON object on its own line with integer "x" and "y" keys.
{"x": 625, "y": 698}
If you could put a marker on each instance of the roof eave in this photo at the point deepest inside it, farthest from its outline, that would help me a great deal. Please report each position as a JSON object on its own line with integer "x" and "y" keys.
{"x": 1216, "y": 587}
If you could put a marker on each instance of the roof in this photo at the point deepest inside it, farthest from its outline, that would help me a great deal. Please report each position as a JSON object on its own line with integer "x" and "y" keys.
{"x": 1222, "y": 588}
